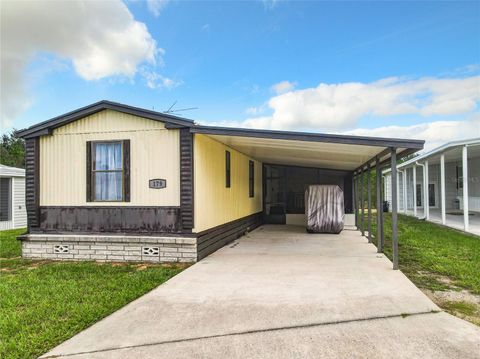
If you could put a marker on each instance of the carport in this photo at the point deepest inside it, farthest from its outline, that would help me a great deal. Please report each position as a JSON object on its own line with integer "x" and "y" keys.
{"x": 331, "y": 159}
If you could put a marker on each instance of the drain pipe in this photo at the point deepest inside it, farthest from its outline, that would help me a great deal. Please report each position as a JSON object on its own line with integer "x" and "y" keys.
{"x": 425, "y": 198}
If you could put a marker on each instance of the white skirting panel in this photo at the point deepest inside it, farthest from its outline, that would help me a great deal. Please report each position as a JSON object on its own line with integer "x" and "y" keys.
{"x": 301, "y": 220}
{"x": 6, "y": 225}
{"x": 473, "y": 203}
{"x": 296, "y": 219}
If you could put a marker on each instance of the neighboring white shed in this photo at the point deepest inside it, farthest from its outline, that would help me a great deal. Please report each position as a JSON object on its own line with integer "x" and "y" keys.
{"x": 13, "y": 212}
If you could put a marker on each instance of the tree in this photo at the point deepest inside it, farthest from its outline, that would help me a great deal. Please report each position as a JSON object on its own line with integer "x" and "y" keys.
{"x": 12, "y": 150}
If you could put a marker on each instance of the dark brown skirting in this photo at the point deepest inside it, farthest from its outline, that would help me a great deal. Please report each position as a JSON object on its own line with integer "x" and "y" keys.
{"x": 106, "y": 219}
{"x": 210, "y": 240}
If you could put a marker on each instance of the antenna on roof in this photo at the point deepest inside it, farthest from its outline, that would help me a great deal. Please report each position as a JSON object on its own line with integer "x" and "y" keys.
{"x": 172, "y": 110}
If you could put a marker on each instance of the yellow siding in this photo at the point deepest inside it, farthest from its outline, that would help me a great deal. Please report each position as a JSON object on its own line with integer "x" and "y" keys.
{"x": 154, "y": 153}
{"x": 214, "y": 203}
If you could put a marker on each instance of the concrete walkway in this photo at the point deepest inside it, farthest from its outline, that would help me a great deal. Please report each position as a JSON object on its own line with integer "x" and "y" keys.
{"x": 282, "y": 293}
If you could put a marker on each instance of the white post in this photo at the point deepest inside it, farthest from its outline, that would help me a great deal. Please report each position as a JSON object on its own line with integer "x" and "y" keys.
{"x": 426, "y": 205}
{"x": 465, "y": 187}
{"x": 415, "y": 190}
{"x": 442, "y": 187}
{"x": 398, "y": 190}
{"x": 405, "y": 191}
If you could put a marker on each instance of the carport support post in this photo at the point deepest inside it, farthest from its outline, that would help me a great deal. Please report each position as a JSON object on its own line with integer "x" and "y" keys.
{"x": 466, "y": 223}
{"x": 354, "y": 197}
{"x": 369, "y": 199}
{"x": 426, "y": 205}
{"x": 442, "y": 188}
{"x": 379, "y": 207}
{"x": 362, "y": 212}
{"x": 393, "y": 165}
{"x": 414, "y": 173}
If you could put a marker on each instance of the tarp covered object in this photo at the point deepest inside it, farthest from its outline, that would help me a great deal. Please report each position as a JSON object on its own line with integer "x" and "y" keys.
{"x": 324, "y": 209}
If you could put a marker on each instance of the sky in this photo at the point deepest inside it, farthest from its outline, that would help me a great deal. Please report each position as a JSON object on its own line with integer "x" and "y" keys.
{"x": 407, "y": 69}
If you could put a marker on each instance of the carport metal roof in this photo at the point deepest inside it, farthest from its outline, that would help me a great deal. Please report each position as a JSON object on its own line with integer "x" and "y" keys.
{"x": 327, "y": 151}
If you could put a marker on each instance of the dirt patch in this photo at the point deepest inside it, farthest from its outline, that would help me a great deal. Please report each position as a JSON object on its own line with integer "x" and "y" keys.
{"x": 460, "y": 303}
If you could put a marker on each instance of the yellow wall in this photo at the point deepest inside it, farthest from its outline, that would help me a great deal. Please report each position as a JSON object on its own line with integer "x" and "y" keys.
{"x": 214, "y": 203}
{"x": 154, "y": 153}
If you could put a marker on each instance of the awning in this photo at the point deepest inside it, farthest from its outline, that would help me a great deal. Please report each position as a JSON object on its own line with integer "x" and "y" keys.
{"x": 309, "y": 149}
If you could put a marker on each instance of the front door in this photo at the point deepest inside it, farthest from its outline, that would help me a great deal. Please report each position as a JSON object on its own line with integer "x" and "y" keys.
{"x": 275, "y": 196}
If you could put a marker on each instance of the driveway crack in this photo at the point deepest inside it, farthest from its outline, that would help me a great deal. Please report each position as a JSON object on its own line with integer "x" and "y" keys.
{"x": 246, "y": 332}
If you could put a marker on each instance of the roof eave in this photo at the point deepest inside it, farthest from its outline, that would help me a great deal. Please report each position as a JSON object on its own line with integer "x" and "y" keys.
{"x": 45, "y": 128}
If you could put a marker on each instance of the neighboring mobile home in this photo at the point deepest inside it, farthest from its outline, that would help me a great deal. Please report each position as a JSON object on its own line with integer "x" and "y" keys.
{"x": 115, "y": 182}
{"x": 13, "y": 213}
{"x": 448, "y": 179}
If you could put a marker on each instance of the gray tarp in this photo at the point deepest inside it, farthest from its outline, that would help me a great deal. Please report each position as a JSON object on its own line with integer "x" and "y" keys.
{"x": 324, "y": 209}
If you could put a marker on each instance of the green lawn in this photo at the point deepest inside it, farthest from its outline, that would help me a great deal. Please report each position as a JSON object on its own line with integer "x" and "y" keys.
{"x": 43, "y": 303}
{"x": 435, "y": 257}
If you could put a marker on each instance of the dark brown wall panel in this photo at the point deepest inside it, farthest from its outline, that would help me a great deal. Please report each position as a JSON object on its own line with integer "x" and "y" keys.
{"x": 186, "y": 178}
{"x": 215, "y": 238}
{"x": 146, "y": 220}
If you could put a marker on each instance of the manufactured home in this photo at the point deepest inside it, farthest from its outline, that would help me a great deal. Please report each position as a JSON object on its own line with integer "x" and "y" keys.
{"x": 13, "y": 213}
{"x": 442, "y": 185}
{"x": 114, "y": 182}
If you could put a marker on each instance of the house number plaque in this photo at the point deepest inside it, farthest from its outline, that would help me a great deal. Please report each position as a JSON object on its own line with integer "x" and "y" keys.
{"x": 157, "y": 183}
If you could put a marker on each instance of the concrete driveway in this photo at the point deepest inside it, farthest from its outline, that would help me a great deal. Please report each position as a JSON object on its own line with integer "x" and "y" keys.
{"x": 282, "y": 293}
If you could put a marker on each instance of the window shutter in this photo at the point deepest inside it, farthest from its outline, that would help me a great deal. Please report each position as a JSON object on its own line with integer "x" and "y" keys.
{"x": 126, "y": 170}
{"x": 89, "y": 172}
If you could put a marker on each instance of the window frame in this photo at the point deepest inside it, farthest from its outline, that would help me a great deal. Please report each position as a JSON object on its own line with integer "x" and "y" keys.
{"x": 228, "y": 170}
{"x": 251, "y": 179}
{"x": 91, "y": 171}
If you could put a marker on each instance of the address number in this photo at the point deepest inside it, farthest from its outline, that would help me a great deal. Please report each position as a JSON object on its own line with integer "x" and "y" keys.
{"x": 157, "y": 183}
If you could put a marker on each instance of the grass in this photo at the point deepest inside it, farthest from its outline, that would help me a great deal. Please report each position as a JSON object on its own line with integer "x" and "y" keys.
{"x": 438, "y": 260}
{"x": 43, "y": 303}
{"x": 9, "y": 247}
{"x": 433, "y": 256}
{"x": 463, "y": 308}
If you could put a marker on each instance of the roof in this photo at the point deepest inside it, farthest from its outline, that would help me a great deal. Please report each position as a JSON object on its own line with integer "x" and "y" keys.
{"x": 440, "y": 149}
{"x": 45, "y": 128}
{"x": 7, "y": 171}
{"x": 333, "y": 151}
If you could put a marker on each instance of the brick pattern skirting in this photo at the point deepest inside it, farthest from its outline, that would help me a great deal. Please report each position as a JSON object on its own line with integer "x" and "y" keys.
{"x": 110, "y": 248}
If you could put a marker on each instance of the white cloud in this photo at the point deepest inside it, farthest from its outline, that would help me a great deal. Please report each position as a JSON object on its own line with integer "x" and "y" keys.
{"x": 282, "y": 87}
{"x": 100, "y": 38}
{"x": 434, "y": 133}
{"x": 255, "y": 110}
{"x": 337, "y": 107}
{"x": 270, "y": 4}
{"x": 155, "y": 80}
{"x": 156, "y": 6}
